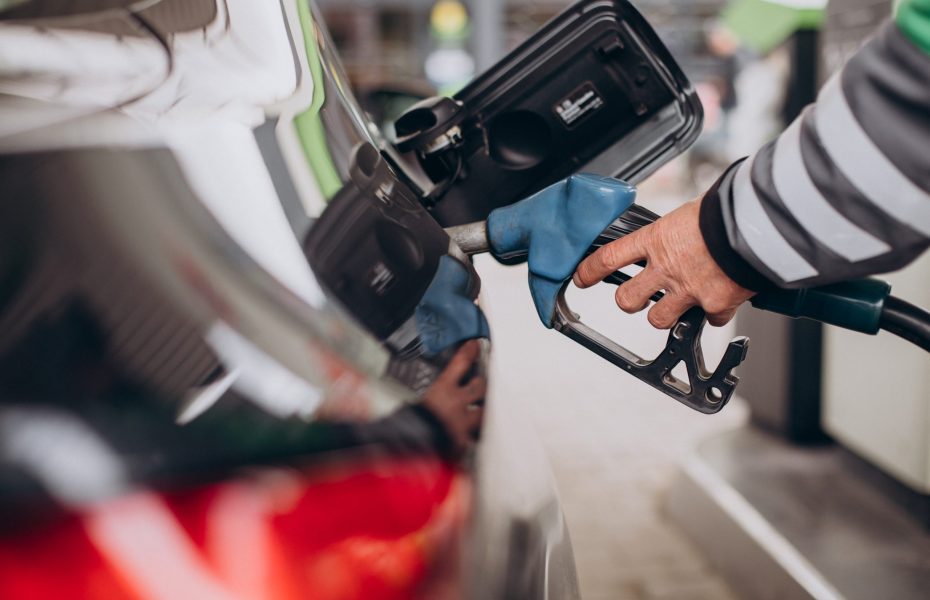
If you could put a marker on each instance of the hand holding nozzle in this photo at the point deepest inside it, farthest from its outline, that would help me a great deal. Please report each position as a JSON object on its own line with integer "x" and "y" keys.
{"x": 676, "y": 260}
{"x": 555, "y": 229}
{"x": 593, "y": 216}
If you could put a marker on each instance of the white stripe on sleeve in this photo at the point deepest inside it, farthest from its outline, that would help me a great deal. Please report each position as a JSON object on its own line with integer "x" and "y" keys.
{"x": 802, "y": 198}
{"x": 760, "y": 233}
{"x": 864, "y": 164}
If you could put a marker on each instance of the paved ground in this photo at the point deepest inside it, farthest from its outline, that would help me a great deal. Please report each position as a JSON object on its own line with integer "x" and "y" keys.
{"x": 613, "y": 442}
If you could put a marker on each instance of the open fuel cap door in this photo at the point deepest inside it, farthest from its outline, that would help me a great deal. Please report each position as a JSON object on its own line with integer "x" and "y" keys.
{"x": 594, "y": 90}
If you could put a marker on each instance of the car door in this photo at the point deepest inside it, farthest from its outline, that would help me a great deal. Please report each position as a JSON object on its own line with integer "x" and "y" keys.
{"x": 212, "y": 261}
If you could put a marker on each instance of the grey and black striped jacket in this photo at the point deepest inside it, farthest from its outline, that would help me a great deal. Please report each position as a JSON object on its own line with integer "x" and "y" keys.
{"x": 844, "y": 192}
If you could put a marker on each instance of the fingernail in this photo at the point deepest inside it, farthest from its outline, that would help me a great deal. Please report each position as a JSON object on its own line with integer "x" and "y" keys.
{"x": 576, "y": 280}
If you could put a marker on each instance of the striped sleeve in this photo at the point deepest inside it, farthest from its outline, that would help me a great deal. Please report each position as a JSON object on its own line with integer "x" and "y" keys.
{"x": 844, "y": 192}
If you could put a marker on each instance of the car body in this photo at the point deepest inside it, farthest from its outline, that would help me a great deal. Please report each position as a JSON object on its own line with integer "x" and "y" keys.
{"x": 211, "y": 266}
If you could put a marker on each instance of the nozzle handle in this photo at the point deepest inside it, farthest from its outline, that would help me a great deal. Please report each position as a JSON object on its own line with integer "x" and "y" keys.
{"x": 554, "y": 228}
{"x": 703, "y": 390}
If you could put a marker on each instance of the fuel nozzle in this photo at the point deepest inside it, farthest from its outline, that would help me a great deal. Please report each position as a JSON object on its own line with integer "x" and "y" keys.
{"x": 557, "y": 227}
{"x": 554, "y": 230}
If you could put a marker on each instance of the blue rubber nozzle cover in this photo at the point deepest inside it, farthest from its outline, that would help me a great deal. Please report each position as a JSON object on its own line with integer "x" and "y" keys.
{"x": 554, "y": 227}
{"x": 447, "y": 313}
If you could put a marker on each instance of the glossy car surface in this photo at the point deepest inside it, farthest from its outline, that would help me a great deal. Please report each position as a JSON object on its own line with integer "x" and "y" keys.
{"x": 233, "y": 356}
{"x": 189, "y": 406}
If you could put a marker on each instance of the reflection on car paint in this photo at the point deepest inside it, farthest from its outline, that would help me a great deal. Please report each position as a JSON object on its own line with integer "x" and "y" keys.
{"x": 378, "y": 528}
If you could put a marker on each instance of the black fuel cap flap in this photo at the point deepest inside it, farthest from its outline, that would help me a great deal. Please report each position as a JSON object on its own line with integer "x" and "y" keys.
{"x": 594, "y": 90}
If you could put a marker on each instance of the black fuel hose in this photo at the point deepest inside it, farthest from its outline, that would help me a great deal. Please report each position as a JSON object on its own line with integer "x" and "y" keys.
{"x": 906, "y": 321}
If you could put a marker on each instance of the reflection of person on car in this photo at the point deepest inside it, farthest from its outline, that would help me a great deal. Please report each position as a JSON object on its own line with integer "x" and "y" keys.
{"x": 453, "y": 399}
{"x": 446, "y": 419}
{"x": 82, "y": 391}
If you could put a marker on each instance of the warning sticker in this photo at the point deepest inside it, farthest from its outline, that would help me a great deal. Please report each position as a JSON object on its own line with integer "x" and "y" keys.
{"x": 578, "y": 105}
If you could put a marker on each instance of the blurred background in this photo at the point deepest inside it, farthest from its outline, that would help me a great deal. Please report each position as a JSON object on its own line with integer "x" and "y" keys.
{"x": 810, "y": 457}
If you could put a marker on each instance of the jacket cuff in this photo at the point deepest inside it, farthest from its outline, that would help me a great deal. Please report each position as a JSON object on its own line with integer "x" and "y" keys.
{"x": 714, "y": 231}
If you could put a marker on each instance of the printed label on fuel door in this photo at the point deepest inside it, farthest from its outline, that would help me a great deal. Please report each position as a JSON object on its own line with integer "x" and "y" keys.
{"x": 578, "y": 105}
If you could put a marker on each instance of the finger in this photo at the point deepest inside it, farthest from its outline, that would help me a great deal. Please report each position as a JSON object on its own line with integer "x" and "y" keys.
{"x": 475, "y": 419}
{"x": 721, "y": 318}
{"x": 461, "y": 362}
{"x": 633, "y": 296}
{"x": 475, "y": 390}
{"x": 607, "y": 259}
{"x": 666, "y": 311}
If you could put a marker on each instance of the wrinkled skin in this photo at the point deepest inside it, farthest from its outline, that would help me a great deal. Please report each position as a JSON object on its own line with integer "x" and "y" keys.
{"x": 454, "y": 401}
{"x": 677, "y": 261}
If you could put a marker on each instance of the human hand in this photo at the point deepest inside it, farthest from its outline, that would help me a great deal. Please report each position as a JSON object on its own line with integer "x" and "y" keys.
{"x": 677, "y": 261}
{"x": 455, "y": 402}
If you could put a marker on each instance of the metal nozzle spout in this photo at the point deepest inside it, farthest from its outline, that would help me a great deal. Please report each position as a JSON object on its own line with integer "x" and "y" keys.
{"x": 472, "y": 238}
